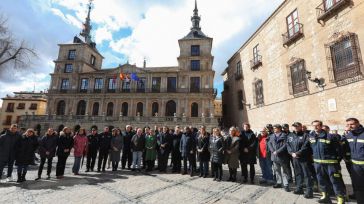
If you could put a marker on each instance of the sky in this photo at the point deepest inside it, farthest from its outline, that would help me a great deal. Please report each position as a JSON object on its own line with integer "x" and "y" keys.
{"x": 127, "y": 30}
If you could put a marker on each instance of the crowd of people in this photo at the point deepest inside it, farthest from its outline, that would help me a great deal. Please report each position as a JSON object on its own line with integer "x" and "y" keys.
{"x": 303, "y": 156}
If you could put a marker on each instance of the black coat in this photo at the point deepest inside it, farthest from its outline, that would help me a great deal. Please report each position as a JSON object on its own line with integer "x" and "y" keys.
{"x": 248, "y": 140}
{"x": 166, "y": 140}
{"x": 138, "y": 143}
{"x": 176, "y": 153}
{"x": 188, "y": 144}
{"x": 127, "y": 140}
{"x": 217, "y": 147}
{"x": 7, "y": 146}
{"x": 48, "y": 144}
{"x": 93, "y": 143}
{"x": 299, "y": 143}
{"x": 203, "y": 145}
{"x": 104, "y": 142}
{"x": 65, "y": 141}
{"x": 24, "y": 150}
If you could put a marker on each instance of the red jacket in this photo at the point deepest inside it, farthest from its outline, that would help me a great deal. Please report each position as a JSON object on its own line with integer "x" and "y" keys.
{"x": 79, "y": 145}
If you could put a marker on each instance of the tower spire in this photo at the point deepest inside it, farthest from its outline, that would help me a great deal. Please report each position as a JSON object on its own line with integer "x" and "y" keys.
{"x": 195, "y": 19}
{"x": 86, "y": 31}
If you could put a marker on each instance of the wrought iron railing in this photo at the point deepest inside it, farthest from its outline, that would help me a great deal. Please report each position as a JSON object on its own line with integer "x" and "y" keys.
{"x": 293, "y": 34}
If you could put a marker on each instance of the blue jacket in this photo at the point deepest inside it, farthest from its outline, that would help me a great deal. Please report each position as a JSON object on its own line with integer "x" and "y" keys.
{"x": 279, "y": 145}
{"x": 326, "y": 148}
{"x": 355, "y": 139}
{"x": 188, "y": 144}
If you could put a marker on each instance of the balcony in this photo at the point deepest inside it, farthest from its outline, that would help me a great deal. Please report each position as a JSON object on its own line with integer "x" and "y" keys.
{"x": 83, "y": 90}
{"x": 10, "y": 110}
{"x": 111, "y": 91}
{"x": 140, "y": 90}
{"x": 325, "y": 11}
{"x": 7, "y": 123}
{"x": 238, "y": 75}
{"x": 293, "y": 34}
{"x": 256, "y": 62}
{"x": 147, "y": 90}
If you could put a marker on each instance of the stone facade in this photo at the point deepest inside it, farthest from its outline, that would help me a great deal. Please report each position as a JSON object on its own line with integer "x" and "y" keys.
{"x": 21, "y": 103}
{"x": 82, "y": 93}
{"x": 314, "y": 72}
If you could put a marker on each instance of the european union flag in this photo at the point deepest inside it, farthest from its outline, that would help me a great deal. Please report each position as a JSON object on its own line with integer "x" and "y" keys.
{"x": 134, "y": 77}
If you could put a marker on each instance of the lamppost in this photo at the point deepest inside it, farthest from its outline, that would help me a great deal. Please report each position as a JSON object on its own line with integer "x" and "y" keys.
{"x": 319, "y": 81}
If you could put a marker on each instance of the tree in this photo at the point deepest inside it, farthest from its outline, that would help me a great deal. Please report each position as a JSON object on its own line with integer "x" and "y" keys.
{"x": 13, "y": 53}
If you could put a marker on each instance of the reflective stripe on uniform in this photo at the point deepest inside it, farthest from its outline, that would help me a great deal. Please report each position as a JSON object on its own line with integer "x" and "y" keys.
{"x": 358, "y": 140}
{"x": 312, "y": 141}
{"x": 325, "y": 161}
{"x": 338, "y": 175}
{"x": 357, "y": 162}
{"x": 324, "y": 141}
{"x": 350, "y": 140}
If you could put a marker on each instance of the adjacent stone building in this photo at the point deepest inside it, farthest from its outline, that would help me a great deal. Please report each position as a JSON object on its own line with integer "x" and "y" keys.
{"x": 303, "y": 63}
{"x": 21, "y": 103}
{"x": 81, "y": 93}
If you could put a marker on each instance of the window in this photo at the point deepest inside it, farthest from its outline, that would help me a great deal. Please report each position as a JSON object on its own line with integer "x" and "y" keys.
{"x": 195, "y": 85}
{"x": 298, "y": 77}
{"x": 33, "y": 106}
{"x": 328, "y": 4}
{"x": 72, "y": 54}
{"x": 61, "y": 108}
{"x": 68, "y": 68}
{"x": 141, "y": 85}
{"x": 65, "y": 85}
{"x": 293, "y": 26}
{"x": 171, "y": 108}
{"x": 93, "y": 60}
{"x": 195, "y": 50}
{"x": 256, "y": 53}
{"x": 124, "y": 109}
{"x": 17, "y": 119}
{"x": 195, "y": 65}
{"x": 171, "y": 84}
{"x": 126, "y": 86}
{"x": 258, "y": 92}
{"x": 110, "y": 109}
{"x": 10, "y": 107}
{"x": 99, "y": 83}
{"x": 112, "y": 85}
{"x": 21, "y": 106}
{"x": 95, "y": 109}
{"x": 84, "y": 85}
{"x": 155, "y": 108}
{"x": 156, "y": 84}
{"x": 8, "y": 120}
{"x": 194, "y": 110}
{"x": 345, "y": 58}
{"x": 139, "y": 109}
{"x": 239, "y": 71}
{"x": 81, "y": 108}
{"x": 240, "y": 100}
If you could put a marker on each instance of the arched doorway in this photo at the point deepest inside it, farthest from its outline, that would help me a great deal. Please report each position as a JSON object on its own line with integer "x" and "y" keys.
{"x": 61, "y": 108}
{"x": 171, "y": 108}
{"x": 110, "y": 109}
{"x": 95, "y": 109}
{"x": 155, "y": 108}
{"x": 125, "y": 108}
{"x": 81, "y": 108}
{"x": 194, "y": 110}
{"x": 139, "y": 109}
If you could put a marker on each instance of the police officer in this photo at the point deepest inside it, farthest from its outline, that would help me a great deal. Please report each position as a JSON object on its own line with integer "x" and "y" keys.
{"x": 298, "y": 147}
{"x": 326, "y": 154}
{"x": 355, "y": 138}
{"x": 285, "y": 130}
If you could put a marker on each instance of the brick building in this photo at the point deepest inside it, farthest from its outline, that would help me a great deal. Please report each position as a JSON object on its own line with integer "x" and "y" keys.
{"x": 303, "y": 63}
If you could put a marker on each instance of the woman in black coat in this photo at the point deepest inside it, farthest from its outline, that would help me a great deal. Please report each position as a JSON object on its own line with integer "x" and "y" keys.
{"x": 217, "y": 145}
{"x": 203, "y": 151}
{"x": 65, "y": 144}
{"x": 47, "y": 150}
{"x": 24, "y": 151}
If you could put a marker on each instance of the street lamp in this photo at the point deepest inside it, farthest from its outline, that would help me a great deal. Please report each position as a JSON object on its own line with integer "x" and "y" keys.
{"x": 319, "y": 81}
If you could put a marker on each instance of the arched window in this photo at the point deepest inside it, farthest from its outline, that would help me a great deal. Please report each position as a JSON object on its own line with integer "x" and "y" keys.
{"x": 155, "y": 108}
{"x": 110, "y": 109}
{"x": 194, "y": 110}
{"x": 95, "y": 109}
{"x": 61, "y": 108}
{"x": 124, "y": 109}
{"x": 139, "y": 108}
{"x": 81, "y": 108}
{"x": 171, "y": 108}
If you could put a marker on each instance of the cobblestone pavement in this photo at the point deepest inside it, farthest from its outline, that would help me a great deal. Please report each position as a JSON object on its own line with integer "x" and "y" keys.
{"x": 132, "y": 187}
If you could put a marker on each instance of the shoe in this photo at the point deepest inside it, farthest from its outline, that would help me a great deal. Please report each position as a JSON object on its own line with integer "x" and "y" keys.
{"x": 251, "y": 181}
{"x": 214, "y": 179}
{"x": 87, "y": 170}
{"x": 219, "y": 179}
{"x": 308, "y": 195}
{"x": 245, "y": 180}
{"x": 262, "y": 181}
{"x": 277, "y": 185}
{"x": 200, "y": 175}
{"x": 103, "y": 170}
{"x": 38, "y": 178}
{"x": 298, "y": 192}
{"x": 325, "y": 198}
{"x": 184, "y": 172}
{"x": 98, "y": 170}
{"x": 48, "y": 177}
{"x": 286, "y": 188}
{"x": 352, "y": 196}
{"x": 9, "y": 179}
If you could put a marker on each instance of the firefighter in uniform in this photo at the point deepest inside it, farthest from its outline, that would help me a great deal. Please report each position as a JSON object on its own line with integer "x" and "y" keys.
{"x": 327, "y": 154}
{"x": 355, "y": 138}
